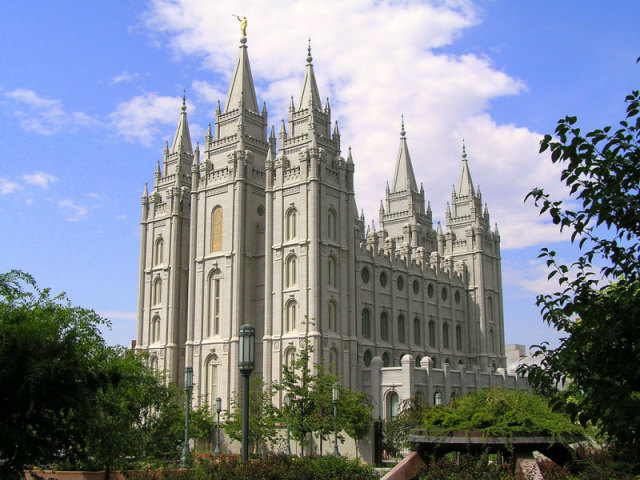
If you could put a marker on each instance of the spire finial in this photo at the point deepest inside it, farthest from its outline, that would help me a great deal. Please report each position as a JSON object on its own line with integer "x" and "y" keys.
{"x": 184, "y": 99}
{"x": 402, "y": 131}
{"x": 309, "y": 57}
{"x": 464, "y": 152}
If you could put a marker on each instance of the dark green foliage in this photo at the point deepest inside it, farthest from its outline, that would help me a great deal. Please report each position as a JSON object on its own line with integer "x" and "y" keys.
{"x": 597, "y": 360}
{"x": 590, "y": 464}
{"x": 499, "y": 412}
{"x": 396, "y": 432}
{"x": 467, "y": 467}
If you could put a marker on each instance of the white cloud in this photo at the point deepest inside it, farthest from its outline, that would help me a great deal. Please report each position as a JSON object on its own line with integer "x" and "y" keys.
{"x": 140, "y": 119}
{"x": 118, "y": 315}
{"x": 72, "y": 211}
{"x": 44, "y": 116}
{"x": 39, "y": 178}
{"x": 7, "y": 187}
{"x": 377, "y": 60}
{"x": 123, "y": 77}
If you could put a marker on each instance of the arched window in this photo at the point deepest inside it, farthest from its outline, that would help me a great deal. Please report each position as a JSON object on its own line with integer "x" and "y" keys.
{"x": 331, "y": 262}
{"x": 394, "y": 405}
{"x": 157, "y": 258}
{"x": 384, "y": 326}
{"x": 291, "y": 271}
{"x": 155, "y": 329}
{"x": 212, "y": 383}
{"x": 492, "y": 341}
{"x": 366, "y": 323}
{"x": 216, "y": 229}
{"x": 417, "y": 331}
{"x": 157, "y": 291}
{"x": 367, "y": 358}
{"x": 490, "y": 308}
{"x": 458, "y": 337}
{"x": 401, "y": 328}
{"x": 432, "y": 333}
{"x": 332, "y": 310}
{"x": 333, "y": 361}
{"x": 445, "y": 335}
{"x": 331, "y": 224}
{"x": 291, "y": 227}
{"x": 290, "y": 357}
{"x": 154, "y": 365}
{"x": 385, "y": 359}
{"x": 291, "y": 314}
{"x": 213, "y": 325}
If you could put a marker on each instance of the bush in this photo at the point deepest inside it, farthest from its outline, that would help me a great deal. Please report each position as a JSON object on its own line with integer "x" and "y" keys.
{"x": 467, "y": 467}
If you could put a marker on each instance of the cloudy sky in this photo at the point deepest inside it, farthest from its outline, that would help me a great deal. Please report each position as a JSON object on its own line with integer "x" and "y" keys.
{"x": 89, "y": 92}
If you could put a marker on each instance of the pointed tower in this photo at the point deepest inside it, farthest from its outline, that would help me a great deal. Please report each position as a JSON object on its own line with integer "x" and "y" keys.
{"x": 164, "y": 247}
{"x": 469, "y": 240}
{"x": 405, "y": 219}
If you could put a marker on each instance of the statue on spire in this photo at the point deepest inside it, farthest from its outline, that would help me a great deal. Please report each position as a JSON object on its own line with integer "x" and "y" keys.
{"x": 243, "y": 24}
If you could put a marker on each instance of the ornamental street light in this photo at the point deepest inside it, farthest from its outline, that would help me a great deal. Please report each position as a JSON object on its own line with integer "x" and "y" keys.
{"x": 336, "y": 396}
{"x": 218, "y": 410}
{"x": 287, "y": 402}
{"x": 188, "y": 387}
{"x": 246, "y": 362}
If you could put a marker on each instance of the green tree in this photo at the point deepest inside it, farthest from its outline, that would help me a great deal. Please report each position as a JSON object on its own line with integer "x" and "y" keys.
{"x": 354, "y": 413}
{"x": 396, "y": 431}
{"x": 263, "y": 416}
{"x": 598, "y": 356}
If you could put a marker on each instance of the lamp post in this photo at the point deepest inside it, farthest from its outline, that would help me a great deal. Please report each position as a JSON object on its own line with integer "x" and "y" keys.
{"x": 246, "y": 362}
{"x": 218, "y": 410}
{"x": 287, "y": 450}
{"x": 188, "y": 387}
{"x": 336, "y": 395}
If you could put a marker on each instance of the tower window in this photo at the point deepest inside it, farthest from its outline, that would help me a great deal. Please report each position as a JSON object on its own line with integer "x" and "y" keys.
{"x": 383, "y": 279}
{"x": 214, "y": 306}
{"x": 432, "y": 333}
{"x": 365, "y": 275}
{"x": 492, "y": 341}
{"x": 430, "y": 290}
{"x": 333, "y": 361}
{"x": 367, "y": 358}
{"x": 291, "y": 227}
{"x": 401, "y": 338}
{"x": 458, "y": 337}
{"x": 216, "y": 229}
{"x": 155, "y": 329}
{"x": 445, "y": 335}
{"x": 366, "y": 323}
{"x": 400, "y": 283}
{"x": 291, "y": 314}
{"x": 332, "y": 316}
{"x": 157, "y": 258}
{"x": 331, "y": 224}
{"x": 416, "y": 287}
{"x": 290, "y": 357}
{"x": 384, "y": 326}
{"x": 157, "y": 291}
{"x": 291, "y": 271}
{"x": 385, "y": 359}
{"x": 417, "y": 331}
{"x": 332, "y": 271}
{"x": 212, "y": 383}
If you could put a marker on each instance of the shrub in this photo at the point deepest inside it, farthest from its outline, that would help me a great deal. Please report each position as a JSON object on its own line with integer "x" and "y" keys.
{"x": 467, "y": 467}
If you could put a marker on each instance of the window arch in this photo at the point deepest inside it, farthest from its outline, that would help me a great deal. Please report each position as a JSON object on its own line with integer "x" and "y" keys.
{"x": 384, "y": 326}
{"x": 366, "y": 323}
{"x": 157, "y": 254}
{"x": 213, "y": 306}
{"x": 331, "y": 262}
{"x": 216, "y": 229}
{"x": 291, "y": 227}
{"x": 157, "y": 291}
{"x": 432, "y": 333}
{"x": 211, "y": 382}
{"x": 490, "y": 308}
{"x": 333, "y": 361}
{"x": 289, "y": 357}
{"x": 367, "y": 358}
{"x": 401, "y": 332}
{"x": 417, "y": 331}
{"x": 291, "y": 316}
{"x": 385, "y": 359}
{"x": 154, "y": 364}
{"x": 394, "y": 405}
{"x": 332, "y": 314}
{"x": 155, "y": 329}
{"x": 331, "y": 224}
{"x": 458, "y": 337}
{"x": 291, "y": 271}
{"x": 492, "y": 341}
{"x": 445, "y": 335}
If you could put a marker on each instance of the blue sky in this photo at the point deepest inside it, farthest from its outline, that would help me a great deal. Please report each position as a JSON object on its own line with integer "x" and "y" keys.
{"x": 89, "y": 91}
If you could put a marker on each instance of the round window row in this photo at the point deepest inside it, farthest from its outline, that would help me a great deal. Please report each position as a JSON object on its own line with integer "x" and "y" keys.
{"x": 415, "y": 286}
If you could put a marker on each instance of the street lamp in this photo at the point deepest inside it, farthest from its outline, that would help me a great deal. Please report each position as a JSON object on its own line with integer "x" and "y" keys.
{"x": 287, "y": 450}
{"x": 336, "y": 395}
{"x": 218, "y": 410}
{"x": 188, "y": 387}
{"x": 246, "y": 362}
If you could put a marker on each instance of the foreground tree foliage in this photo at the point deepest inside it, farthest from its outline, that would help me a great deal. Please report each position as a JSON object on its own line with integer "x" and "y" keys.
{"x": 66, "y": 397}
{"x": 598, "y": 357}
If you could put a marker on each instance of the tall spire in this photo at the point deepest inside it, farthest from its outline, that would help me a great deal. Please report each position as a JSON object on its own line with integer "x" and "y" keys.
{"x": 466, "y": 184}
{"x": 182, "y": 138}
{"x": 309, "y": 95}
{"x": 404, "y": 175}
{"x": 241, "y": 90}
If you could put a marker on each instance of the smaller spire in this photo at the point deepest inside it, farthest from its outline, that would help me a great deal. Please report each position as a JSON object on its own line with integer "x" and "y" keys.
{"x": 336, "y": 130}
{"x": 429, "y": 206}
{"x": 208, "y": 137}
{"x": 402, "y": 131}
{"x": 349, "y": 157}
{"x": 386, "y": 189}
{"x": 439, "y": 232}
{"x": 283, "y": 132}
{"x": 496, "y": 229}
{"x": 381, "y": 207}
{"x": 218, "y": 110}
{"x": 146, "y": 190}
{"x": 309, "y": 57}
{"x": 166, "y": 147}
{"x": 291, "y": 104}
{"x": 448, "y": 210}
{"x": 362, "y": 215}
{"x": 327, "y": 107}
{"x": 272, "y": 135}
{"x": 373, "y": 226}
{"x": 157, "y": 172}
{"x": 264, "y": 109}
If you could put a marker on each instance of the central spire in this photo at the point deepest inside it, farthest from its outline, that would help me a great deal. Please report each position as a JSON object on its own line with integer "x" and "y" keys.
{"x": 241, "y": 90}
{"x": 182, "y": 138}
{"x": 466, "y": 184}
{"x": 309, "y": 96}
{"x": 404, "y": 179}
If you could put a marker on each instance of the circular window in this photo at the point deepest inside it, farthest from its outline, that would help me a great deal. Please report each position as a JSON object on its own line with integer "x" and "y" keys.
{"x": 443, "y": 293}
{"x": 430, "y": 290}
{"x": 383, "y": 279}
{"x": 260, "y": 210}
{"x": 457, "y": 296}
{"x": 416, "y": 287}
{"x": 400, "y": 283}
{"x": 365, "y": 275}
